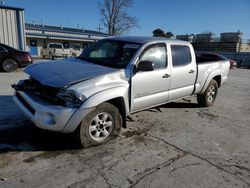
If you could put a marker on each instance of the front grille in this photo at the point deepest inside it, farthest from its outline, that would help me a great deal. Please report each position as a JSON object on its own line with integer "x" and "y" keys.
{"x": 41, "y": 92}
{"x": 22, "y": 100}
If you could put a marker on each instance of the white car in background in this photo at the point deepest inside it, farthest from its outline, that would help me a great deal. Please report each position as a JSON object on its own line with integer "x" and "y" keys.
{"x": 55, "y": 50}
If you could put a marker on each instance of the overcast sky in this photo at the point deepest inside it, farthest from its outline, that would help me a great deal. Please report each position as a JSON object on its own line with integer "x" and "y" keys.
{"x": 177, "y": 16}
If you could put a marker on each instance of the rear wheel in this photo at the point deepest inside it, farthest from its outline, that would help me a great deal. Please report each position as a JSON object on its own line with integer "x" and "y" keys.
{"x": 100, "y": 125}
{"x": 9, "y": 65}
{"x": 208, "y": 97}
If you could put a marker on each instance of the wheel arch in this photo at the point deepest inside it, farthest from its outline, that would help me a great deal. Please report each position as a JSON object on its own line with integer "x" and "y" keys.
{"x": 119, "y": 103}
{"x": 214, "y": 75}
{"x": 218, "y": 80}
{"x": 117, "y": 96}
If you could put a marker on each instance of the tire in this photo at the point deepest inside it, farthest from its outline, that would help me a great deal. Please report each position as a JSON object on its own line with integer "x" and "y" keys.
{"x": 51, "y": 56}
{"x": 208, "y": 97}
{"x": 9, "y": 65}
{"x": 99, "y": 126}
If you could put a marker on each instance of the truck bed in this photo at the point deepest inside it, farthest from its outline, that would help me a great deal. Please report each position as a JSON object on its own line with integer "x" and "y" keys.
{"x": 207, "y": 66}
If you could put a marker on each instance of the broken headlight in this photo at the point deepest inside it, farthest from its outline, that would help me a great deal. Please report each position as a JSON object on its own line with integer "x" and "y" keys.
{"x": 71, "y": 98}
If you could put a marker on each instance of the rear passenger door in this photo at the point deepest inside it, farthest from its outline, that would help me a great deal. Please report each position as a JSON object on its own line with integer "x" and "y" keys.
{"x": 183, "y": 72}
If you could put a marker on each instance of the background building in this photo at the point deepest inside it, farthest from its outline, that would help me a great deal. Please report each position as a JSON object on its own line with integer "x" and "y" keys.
{"x": 38, "y": 37}
{"x": 231, "y": 37}
{"x": 205, "y": 38}
{"x": 228, "y": 42}
{"x": 12, "y": 27}
{"x": 187, "y": 37}
{"x": 34, "y": 37}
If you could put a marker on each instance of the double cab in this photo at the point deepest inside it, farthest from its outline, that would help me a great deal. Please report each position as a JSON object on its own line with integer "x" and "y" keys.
{"x": 92, "y": 95}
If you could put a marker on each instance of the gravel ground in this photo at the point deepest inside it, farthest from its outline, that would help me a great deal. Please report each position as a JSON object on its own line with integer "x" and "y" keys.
{"x": 177, "y": 145}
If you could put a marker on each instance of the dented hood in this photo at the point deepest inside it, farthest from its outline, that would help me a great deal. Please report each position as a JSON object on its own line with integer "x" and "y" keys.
{"x": 63, "y": 73}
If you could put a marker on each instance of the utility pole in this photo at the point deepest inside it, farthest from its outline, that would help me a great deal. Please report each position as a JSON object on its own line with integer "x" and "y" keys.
{"x": 99, "y": 28}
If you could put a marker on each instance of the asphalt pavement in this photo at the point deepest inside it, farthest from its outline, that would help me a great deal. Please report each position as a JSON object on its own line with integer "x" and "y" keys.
{"x": 177, "y": 145}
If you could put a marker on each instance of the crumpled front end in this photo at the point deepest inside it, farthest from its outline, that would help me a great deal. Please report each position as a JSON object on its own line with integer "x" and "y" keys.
{"x": 45, "y": 106}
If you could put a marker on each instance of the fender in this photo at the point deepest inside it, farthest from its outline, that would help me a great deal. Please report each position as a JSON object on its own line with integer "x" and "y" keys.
{"x": 92, "y": 102}
{"x": 106, "y": 95}
{"x": 213, "y": 74}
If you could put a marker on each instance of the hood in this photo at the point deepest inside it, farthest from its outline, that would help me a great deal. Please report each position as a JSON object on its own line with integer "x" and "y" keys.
{"x": 62, "y": 73}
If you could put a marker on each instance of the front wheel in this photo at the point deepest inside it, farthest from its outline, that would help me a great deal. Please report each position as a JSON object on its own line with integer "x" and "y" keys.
{"x": 100, "y": 125}
{"x": 208, "y": 97}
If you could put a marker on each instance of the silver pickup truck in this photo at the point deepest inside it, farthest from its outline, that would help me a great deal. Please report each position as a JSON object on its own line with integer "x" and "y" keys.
{"x": 92, "y": 95}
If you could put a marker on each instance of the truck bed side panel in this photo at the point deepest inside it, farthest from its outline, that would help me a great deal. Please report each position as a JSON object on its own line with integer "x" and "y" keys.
{"x": 207, "y": 71}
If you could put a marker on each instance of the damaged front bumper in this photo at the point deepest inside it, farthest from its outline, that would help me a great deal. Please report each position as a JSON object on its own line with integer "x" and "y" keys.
{"x": 47, "y": 108}
{"x": 49, "y": 117}
{"x": 44, "y": 116}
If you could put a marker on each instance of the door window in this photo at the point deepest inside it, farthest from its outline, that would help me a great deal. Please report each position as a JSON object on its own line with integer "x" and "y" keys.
{"x": 54, "y": 45}
{"x": 180, "y": 55}
{"x": 156, "y": 54}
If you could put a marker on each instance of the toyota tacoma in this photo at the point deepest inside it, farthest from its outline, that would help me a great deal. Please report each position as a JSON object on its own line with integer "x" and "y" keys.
{"x": 93, "y": 94}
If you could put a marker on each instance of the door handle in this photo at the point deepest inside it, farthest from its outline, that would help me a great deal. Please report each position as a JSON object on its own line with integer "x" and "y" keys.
{"x": 191, "y": 71}
{"x": 166, "y": 75}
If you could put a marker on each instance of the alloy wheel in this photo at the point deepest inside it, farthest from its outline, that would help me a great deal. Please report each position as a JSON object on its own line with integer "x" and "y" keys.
{"x": 101, "y": 126}
{"x": 211, "y": 94}
{"x": 9, "y": 65}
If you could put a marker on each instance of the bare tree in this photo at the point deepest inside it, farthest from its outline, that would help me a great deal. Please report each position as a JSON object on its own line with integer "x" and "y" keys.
{"x": 115, "y": 18}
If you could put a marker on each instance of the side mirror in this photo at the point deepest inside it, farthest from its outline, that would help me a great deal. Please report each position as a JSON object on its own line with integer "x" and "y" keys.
{"x": 145, "y": 66}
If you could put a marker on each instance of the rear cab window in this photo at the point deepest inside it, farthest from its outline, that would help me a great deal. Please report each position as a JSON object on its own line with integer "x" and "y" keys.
{"x": 181, "y": 55}
{"x": 58, "y": 46}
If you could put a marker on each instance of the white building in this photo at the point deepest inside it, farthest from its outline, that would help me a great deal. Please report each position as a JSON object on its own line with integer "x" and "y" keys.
{"x": 38, "y": 36}
{"x": 34, "y": 37}
{"x": 12, "y": 30}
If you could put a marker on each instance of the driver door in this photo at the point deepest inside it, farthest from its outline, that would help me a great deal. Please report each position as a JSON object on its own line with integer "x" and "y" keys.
{"x": 150, "y": 88}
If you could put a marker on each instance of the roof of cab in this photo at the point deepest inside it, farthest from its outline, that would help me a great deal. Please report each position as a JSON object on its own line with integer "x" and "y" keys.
{"x": 142, "y": 40}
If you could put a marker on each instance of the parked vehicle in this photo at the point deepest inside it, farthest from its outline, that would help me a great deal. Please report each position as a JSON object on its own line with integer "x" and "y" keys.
{"x": 93, "y": 94}
{"x": 76, "y": 50}
{"x": 55, "y": 50}
{"x": 11, "y": 58}
{"x": 215, "y": 56}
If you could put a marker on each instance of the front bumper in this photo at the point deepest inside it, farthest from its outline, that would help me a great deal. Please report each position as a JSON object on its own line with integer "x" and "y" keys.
{"x": 49, "y": 117}
{"x": 61, "y": 55}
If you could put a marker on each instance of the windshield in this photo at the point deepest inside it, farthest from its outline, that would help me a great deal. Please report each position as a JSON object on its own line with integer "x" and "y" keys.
{"x": 58, "y": 46}
{"x": 116, "y": 54}
{"x": 77, "y": 47}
